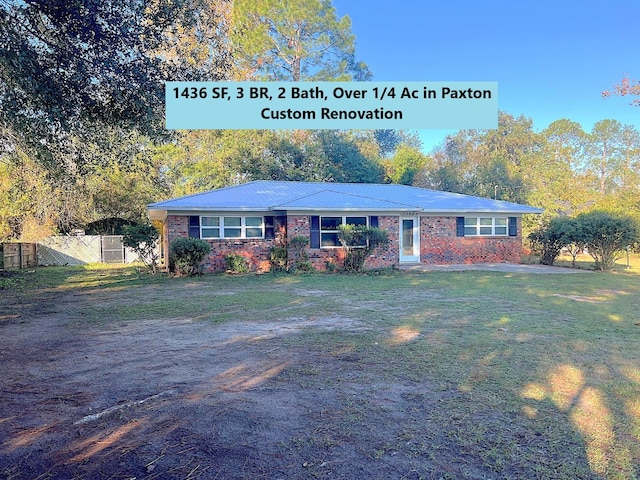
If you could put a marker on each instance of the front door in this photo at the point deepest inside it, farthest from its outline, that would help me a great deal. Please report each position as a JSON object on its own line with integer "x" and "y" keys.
{"x": 409, "y": 240}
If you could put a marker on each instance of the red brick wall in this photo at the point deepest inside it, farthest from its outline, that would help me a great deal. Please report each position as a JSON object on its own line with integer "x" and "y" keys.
{"x": 390, "y": 255}
{"x": 440, "y": 245}
{"x": 256, "y": 251}
{"x": 299, "y": 225}
{"x": 177, "y": 226}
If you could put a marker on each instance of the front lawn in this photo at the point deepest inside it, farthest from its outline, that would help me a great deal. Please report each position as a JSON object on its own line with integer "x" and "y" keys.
{"x": 405, "y": 375}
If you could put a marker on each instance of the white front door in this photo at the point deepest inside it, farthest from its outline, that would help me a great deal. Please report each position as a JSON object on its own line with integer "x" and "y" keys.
{"x": 409, "y": 240}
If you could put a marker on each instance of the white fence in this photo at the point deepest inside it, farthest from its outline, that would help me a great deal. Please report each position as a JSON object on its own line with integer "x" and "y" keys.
{"x": 63, "y": 250}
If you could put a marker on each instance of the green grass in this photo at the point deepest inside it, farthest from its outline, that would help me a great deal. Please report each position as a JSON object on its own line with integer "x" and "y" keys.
{"x": 516, "y": 374}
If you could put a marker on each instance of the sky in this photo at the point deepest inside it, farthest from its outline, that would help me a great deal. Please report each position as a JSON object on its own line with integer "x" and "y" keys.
{"x": 551, "y": 59}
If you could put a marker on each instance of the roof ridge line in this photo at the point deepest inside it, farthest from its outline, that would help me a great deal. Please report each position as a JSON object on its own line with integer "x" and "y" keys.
{"x": 349, "y": 194}
{"x": 378, "y": 199}
{"x": 295, "y": 199}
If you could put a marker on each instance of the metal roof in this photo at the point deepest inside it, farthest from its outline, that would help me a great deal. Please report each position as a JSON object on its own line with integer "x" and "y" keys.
{"x": 265, "y": 195}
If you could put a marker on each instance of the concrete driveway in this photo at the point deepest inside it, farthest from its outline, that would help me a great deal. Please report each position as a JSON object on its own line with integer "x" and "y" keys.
{"x": 494, "y": 267}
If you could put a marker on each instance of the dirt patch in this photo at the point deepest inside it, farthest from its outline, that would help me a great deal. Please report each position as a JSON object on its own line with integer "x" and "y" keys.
{"x": 178, "y": 398}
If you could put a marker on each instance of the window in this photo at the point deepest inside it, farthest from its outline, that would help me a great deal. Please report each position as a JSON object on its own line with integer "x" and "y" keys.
{"x": 485, "y": 226}
{"x": 253, "y": 227}
{"x": 231, "y": 227}
{"x": 329, "y": 228}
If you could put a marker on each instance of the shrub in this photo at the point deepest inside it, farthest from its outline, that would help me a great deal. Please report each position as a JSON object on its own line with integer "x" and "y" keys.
{"x": 143, "y": 240}
{"x": 329, "y": 266}
{"x": 551, "y": 238}
{"x": 300, "y": 256}
{"x": 360, "y": 242}
{"x": 187, "y": 253}
{"x": 236, "y": 263}
{"x": 278, "y": 258}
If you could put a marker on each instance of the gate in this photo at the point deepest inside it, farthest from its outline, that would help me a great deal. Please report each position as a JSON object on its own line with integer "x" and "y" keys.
{"x": 112, "y": 249}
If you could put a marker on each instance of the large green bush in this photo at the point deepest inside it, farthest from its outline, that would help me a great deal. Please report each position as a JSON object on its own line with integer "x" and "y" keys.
{"x": 553, "y": 237}
{"x": 606, "y": 236}
{"x": 187, "y": 254}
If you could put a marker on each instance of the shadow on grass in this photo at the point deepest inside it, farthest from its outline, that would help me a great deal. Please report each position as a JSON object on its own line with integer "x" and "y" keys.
{"x": 546, "y": 370}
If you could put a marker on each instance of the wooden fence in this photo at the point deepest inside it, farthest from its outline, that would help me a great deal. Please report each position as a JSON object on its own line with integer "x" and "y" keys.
{"x": 18, "y": 255}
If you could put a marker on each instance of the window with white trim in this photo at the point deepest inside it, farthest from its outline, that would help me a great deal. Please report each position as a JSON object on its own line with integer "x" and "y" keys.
{"x": 329, "y": 228}
{"x": 231, "y": 227}
{"x": 485, "y": 226}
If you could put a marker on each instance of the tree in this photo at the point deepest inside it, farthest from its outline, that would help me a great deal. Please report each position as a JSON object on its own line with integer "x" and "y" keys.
{"x": 119, "y": 177}
{"x": 70, "y": 68}
{"x": 345, "y": 161}
{"x": 625, "y": 87}
{"x": 195, "y": 45}
{"x": 294, "y": 40}
{"x": 605, "y": 149}
{"x": 279, "y": 40}
{"x": 562, "y": 187}
{"x": 30, "y": 203}
{"x": 444, "y": 172}
{"x": 65, "y": 64}
{"x": 566, "y": 142}
{"x": 360, "y": 242}
{"x": 388, "y": 140}
{"x": 606, "y": 236}
{"x": 403, "y": 166}
{"x": 489, "y": 163}
{"x": 554, "y": 236}
{"x": 143, "y": 240}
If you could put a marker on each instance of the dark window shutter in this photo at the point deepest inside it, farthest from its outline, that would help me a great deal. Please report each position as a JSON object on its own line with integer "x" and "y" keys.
{"x": 513, "y": 226}
{"x": 194, "y": 226}
{"x": 315, "y": 232}
{"x": 373, "y": 221}
{"x": 459, "y": 226}
{"x": 269, "y": 227}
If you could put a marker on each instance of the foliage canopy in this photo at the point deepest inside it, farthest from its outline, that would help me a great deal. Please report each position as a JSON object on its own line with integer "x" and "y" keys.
{"x": 143, "y": 240}
{"x": 606, "y": 236}
{"x": 603, "y": 234}
{"x": 360, "y": 242}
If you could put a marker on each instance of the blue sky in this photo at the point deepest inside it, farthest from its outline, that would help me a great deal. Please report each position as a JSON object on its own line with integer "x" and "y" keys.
{"x": 551, "y": 59}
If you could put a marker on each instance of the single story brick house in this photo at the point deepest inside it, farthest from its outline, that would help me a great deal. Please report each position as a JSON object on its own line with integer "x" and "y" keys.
{"x": 425, "y": 226}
